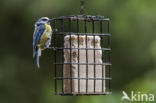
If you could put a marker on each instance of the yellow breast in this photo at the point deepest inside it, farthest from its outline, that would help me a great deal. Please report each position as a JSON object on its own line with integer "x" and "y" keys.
{"x": 45, "y": 36}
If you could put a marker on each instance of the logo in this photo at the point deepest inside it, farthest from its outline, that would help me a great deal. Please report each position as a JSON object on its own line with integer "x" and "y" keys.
{"x": 137, "y": 96}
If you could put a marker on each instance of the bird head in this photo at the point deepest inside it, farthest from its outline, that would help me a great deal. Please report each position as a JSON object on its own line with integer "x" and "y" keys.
{"x": 43, "y": 20}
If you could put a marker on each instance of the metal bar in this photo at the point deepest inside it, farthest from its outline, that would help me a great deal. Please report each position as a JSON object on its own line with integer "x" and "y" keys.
{"x": 94, "y": 57}
{"x": 84, "y": 63}
{"x": 70, "y": 94}
{"x": 82, "y": 17}
{"x": 70, "y": 57}
{"x": 85, "y": 24}
{"x": 102, "y": 55}
{"x": 108, "y": 78}
{"x": 78, "y": 57}
{"x": 60, "y": 48}
{"x": 91, "y": 34}
{"x": 109, "y": 59}
{"x": 55, "y": 58}
{"x": 62, "y": 24}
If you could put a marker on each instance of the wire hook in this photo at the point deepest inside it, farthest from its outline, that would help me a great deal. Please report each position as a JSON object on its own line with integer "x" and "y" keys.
{"x": 82, "y": 10}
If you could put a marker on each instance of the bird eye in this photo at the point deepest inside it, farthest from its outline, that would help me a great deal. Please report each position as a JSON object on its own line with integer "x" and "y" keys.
{"x": 38, "y": 24}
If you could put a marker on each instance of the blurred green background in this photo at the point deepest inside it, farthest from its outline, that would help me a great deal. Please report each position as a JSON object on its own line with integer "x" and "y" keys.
{"x": 133, "y": 29}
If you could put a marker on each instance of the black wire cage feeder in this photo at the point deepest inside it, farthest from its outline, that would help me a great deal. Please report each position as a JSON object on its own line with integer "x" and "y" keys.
{"x": 81, "y": 46}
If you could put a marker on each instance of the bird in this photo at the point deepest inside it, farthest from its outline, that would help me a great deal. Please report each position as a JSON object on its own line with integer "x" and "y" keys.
{"x": 41, "y": 37}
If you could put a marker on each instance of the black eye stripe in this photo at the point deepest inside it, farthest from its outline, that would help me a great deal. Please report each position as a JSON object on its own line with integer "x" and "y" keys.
{"x": 44, "y": 19}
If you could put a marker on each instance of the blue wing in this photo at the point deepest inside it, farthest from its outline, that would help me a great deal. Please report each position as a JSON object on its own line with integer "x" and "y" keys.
{"x": 38, "y": 34}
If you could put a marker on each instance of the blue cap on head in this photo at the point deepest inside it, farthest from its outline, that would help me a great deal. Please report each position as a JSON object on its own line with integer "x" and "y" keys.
{"x": 43, "y": 20}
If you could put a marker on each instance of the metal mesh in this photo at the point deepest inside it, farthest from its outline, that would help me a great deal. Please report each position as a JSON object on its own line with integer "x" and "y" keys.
{"x": 79, "y": 25}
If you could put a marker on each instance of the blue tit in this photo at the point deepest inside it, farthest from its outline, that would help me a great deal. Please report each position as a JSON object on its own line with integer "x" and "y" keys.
{"x": 41, "y": 37}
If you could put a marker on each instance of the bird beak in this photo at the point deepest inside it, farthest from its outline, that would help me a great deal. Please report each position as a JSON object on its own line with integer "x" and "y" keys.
{"x": 50, "y": 20}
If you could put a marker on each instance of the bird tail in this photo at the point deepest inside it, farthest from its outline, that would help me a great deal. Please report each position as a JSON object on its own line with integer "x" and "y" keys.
{"x": 38, "y": 53}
